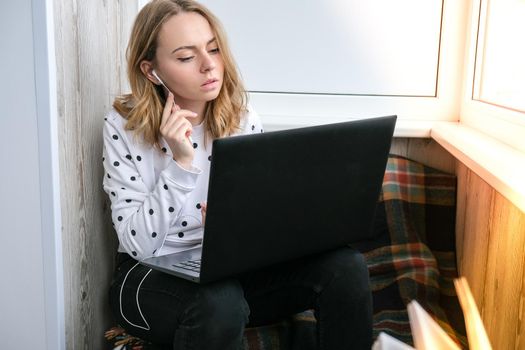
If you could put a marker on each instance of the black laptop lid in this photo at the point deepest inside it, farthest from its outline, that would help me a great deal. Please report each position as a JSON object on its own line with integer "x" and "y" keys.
{"x": 281, "y": 195}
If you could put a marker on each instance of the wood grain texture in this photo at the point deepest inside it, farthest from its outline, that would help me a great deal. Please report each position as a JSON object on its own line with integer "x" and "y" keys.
{"x": 491, "y": 251}
{"x": 90, "y": 38}
{"x": 504, "y": 274}
{"x": 426, "y": 151}
{"x": 472, "y": 250}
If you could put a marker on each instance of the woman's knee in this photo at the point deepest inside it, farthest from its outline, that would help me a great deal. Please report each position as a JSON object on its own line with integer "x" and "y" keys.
{"x": 357, "y": 269}
{"x": 349, "y": 265}
{"x": 219, "y": 308}
{"x": 347, "y": 284}
{"x": 349, "y": 288}
{"x": 215, "y": 319}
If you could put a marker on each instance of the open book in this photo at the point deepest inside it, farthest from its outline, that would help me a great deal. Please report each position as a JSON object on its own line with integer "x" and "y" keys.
{"x": 387, "y": 342}
{"x": 476, "y": 333}
{"x": 427, "y": 333}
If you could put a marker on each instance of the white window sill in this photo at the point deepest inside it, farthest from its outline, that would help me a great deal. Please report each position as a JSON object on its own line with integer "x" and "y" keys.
{"x": 500, "y": 165}
{"x": 404, "y": 128}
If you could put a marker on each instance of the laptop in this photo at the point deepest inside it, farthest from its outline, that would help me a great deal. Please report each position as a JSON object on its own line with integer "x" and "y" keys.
{"x": 282, "y": 195}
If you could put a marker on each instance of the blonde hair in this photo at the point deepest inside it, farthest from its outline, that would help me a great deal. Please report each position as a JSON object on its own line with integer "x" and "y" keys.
{"x": 143, "y": 106}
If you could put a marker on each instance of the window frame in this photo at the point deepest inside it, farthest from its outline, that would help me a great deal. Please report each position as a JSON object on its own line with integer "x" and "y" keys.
{"x": 502, "y": 123}
{"x": 416, "y": 114}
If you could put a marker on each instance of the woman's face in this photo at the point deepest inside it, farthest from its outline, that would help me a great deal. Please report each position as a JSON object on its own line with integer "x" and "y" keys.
{"x": 188, "y": 59}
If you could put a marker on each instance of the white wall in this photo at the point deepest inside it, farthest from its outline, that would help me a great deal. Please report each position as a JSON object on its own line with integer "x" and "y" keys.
{"x": 30, "y": 287}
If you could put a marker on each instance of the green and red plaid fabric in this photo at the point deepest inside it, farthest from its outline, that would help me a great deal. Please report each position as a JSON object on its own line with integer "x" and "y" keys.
{"x": 412, "y": 256}
{"x": 413, "y": 253}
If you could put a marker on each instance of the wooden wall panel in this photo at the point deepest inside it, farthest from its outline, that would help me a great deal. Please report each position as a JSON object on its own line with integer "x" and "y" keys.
{"x": 491, "y": 251}
{"x": 506, "y": 250}
{"x": 520, "y": 329}
{"x": 90, "y": 39}
{"x": 472, "y": 217}
{"x": 426, "y": 151}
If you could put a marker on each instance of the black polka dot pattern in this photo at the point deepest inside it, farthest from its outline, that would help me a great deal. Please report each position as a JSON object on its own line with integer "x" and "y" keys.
{"x": 130, "y": 156}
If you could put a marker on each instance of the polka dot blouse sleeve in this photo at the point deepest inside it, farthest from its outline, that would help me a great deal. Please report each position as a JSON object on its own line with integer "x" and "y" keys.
{"x": 252, "y": 122}
{"x": 141, "y": 216}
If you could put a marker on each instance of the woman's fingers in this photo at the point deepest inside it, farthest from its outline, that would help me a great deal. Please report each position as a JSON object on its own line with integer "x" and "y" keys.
{"x": 181, "y": 116}
{"x": 203, "y": 212}
{"x": 167, "y": 111}
{"x": 175, "y": 129}
{"x": 174, "y": 124}
{"x": 181, "y": 131}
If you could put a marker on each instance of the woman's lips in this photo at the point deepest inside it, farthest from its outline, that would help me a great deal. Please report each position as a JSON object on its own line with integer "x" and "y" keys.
{"x": 210, "y": 84}
{"x": 209, "y": 81}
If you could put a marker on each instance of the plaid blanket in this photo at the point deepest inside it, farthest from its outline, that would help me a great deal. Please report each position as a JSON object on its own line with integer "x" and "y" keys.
{"x": 413, "y": 253}
{"x": 411, "y": 256}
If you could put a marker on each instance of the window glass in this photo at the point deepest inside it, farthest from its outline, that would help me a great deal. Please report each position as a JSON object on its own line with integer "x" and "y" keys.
{"x": 500, "y": 73}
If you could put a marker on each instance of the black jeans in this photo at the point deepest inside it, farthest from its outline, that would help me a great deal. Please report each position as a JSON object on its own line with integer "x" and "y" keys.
{"x": 168, "y": 310}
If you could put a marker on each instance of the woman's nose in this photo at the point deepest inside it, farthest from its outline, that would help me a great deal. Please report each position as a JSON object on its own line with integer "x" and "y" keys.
{"x": 208, "y": 63}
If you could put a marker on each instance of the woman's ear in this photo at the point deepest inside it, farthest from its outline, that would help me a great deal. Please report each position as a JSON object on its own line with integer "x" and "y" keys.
{"x": 147, "y": 67}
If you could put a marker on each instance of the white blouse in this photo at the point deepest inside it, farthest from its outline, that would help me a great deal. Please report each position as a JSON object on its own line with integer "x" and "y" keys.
{"x": 155, "y": 203}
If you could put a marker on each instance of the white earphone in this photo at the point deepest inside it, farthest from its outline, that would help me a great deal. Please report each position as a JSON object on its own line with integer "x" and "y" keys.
{"x": 160, "y": 80}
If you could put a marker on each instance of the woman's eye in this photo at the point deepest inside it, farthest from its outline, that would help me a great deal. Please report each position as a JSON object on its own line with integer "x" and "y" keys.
{"x": 185, "y": 59}
{"x": 213, "y": 51}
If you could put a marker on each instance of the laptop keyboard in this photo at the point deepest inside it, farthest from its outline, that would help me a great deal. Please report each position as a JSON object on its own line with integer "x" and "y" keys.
{"x": 192, "y": 265}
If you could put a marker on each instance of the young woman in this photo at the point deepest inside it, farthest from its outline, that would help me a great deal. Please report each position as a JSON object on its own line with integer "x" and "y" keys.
{"x": 186, "y": 91}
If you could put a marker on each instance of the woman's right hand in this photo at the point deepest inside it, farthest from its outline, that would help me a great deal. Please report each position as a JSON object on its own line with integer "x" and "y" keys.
{"x": 176, "y": 130}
